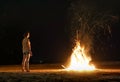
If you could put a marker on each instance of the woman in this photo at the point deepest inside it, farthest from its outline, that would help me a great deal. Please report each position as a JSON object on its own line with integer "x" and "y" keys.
{"x": 26, "y": 47}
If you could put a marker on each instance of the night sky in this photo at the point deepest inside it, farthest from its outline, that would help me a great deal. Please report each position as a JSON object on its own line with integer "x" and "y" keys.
{"x": 47, "y": 22}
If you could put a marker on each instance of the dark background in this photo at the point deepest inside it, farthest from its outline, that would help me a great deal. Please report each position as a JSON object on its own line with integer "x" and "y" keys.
{"x": 50, "y": 39}
{"x": 45, "y": 19}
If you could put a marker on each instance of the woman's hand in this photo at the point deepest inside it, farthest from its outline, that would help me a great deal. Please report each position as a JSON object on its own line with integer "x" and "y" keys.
{"x": 30, "y": 53}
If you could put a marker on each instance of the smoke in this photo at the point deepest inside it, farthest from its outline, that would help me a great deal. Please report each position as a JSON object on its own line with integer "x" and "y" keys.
{"x": 88, "y": 23}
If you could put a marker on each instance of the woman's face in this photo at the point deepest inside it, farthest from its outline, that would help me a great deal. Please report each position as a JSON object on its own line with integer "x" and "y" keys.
{"x": 28, "y": 35}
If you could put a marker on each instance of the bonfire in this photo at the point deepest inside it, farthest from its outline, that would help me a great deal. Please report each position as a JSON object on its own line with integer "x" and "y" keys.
{"x": 79, "y": 61}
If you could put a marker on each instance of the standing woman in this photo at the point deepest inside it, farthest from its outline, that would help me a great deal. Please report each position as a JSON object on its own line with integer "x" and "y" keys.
{"x": 26, "y": 47}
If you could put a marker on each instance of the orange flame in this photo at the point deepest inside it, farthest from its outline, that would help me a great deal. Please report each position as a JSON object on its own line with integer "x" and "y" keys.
{"x": 79, "y": 60}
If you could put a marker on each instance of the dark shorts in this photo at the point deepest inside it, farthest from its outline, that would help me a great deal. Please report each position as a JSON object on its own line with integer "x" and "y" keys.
{"x": 26, "y": 53}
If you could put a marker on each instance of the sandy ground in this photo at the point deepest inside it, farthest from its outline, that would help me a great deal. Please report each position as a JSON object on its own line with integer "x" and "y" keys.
{"x": 55, "y": 73}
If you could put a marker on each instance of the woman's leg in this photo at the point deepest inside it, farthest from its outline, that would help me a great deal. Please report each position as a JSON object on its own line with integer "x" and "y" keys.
{"x": 27, "y": 62}
{"x": 23, "y": 62}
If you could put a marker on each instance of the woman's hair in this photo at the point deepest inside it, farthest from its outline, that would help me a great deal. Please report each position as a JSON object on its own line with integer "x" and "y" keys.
{"x": 25, "y": 34}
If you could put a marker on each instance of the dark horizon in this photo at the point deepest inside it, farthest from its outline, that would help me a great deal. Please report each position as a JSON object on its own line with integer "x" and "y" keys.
{"x": 50, "y": 38}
